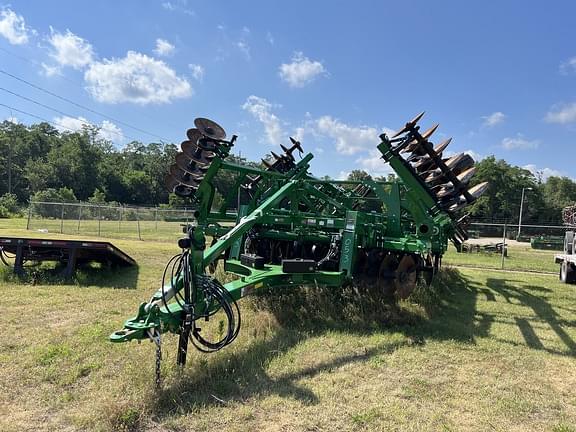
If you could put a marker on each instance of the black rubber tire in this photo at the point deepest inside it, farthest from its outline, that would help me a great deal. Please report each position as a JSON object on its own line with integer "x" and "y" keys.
{"x": 569, "y": 242}
{"x": 567, "y": 272}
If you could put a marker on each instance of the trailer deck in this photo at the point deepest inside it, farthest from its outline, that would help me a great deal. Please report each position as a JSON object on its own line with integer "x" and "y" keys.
{"x": 70, "y": 252}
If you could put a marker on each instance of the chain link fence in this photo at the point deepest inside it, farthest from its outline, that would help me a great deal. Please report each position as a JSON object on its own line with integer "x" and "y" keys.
{"x": 529, "y": 248}
{"x": 142, "y": 223}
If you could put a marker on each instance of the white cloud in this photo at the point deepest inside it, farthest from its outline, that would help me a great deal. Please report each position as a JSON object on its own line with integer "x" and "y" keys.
{"x": 178, "y": 6}
{"x": 373, "y": 164}
{"x": 244, "y": 48}
{"x": 13, "y": 27}
{"x": 108, "y": 130}
{"x": 493, "y": 119}
{"x": 343, "y": 175}
{"x": 137, "y": 79}
{"x": 70, "y": 49}
{"x": 50, "y": 71}
{"x": 197, "y": 71}
{"x": 519, "y": 142}
{"x": 543, "y": 173}
{"x": 563, "y": 114}
{"x": 569, "y": 66}
{"x": 270, "y": 38}
{"x": 261, "y": 109}
{"x": 12, "y": 119}
{"x": 164, "y": 48}
{"x": 349, "y": 139}
{"x": 111, "y": 132}
{"x": 476, "y": 156}
{"x": 301, "y": 71}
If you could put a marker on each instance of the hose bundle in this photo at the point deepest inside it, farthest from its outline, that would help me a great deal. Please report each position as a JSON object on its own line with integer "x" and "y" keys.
{"x": 201, "y": 298}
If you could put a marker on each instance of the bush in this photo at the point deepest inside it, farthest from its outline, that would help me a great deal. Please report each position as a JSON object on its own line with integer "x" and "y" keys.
{"x": 9, "y": 206}
{"x": 51, "y": 195}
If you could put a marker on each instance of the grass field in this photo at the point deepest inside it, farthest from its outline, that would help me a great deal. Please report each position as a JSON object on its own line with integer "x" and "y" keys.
{"x": 489, "y": 351}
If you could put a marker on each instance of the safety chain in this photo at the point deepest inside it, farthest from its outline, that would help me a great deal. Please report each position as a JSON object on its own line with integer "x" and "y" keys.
{"x": 156, "y": 337}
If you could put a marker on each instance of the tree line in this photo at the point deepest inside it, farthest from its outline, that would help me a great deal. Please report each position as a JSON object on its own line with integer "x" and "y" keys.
{"x": 43, "y": 163}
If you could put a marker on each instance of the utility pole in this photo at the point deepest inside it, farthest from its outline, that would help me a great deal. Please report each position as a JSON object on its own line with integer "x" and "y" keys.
{"x": 521, "y": 208}
{"x": 10, "y": 142}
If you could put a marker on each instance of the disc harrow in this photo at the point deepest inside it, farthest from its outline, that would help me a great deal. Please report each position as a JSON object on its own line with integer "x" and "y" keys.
{"x": 278, "y": 225}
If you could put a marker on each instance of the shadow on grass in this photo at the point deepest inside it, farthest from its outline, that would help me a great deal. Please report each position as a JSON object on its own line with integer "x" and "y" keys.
{"x": 85, "y": 275}
{"x": 449, "y": 312}
{"x": 542, "y": 309}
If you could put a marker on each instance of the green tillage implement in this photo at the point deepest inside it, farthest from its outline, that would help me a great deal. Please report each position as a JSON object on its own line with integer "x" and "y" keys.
{"x": 292, "y": 228}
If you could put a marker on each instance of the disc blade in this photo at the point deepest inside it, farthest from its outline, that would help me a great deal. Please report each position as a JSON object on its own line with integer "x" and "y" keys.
{"x": 170, "y": 182}
{"x": 430, "y": 131}
{"x": 210, "y": 128}
{"x": 385, "y": 281}
{"x": 267, "y": 164}
{"x": 465, "y": 176}
{"x": 177, "y": 172}
{"x": 410, "y": 147}
{"x": 442, "y": 146}
{"x": 187, "y": 179}
{"x": 478, "y": 190}
{"x": 193, "y": 135}
{"x": 406, "y": 276}
{"x": 460, "y": 163}
{"x": 444, "y": 190}
{"x": 190, "y": 166}
{"x": 207, "y": 144}
{"x": 409, "y": 125}
{"x": 184, "y": 191}
{"x": 193, "y": 151}
{"x": 202, "y": 159}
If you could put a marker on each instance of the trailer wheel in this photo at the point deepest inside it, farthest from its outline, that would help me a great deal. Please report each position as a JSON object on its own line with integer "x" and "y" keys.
{"x": 567, "y": 272}
{"x": 569, "y": 242}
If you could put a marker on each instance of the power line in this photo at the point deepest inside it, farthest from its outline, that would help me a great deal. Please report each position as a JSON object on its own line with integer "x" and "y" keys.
{"x": 74, "y": 82}
{"x": 64, "y": 114}
{"x": 80, "y": 106}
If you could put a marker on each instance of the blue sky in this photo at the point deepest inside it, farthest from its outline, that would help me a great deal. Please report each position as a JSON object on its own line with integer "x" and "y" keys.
{"x": 499, "y": 77}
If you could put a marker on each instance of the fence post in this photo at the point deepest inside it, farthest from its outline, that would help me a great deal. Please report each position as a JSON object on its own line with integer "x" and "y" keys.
{"x": 156, "y": 218}
{"x": 99, "y": 219}
{"x": 119, "y": 217}
{"x": 79, "y": 218}
{"x": 29, "y": 216}
{"x": 503, "y": 246}
{"x": 62, "y": 219}
{"x": 138, "y": 224}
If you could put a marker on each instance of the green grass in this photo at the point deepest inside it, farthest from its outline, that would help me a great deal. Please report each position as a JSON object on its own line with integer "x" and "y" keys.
{"x": 487, "y": 350}
{"x": 520, "y": 258}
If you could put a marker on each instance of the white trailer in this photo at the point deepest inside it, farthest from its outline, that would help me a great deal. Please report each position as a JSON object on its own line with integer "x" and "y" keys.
{"x": 567, "y": 260}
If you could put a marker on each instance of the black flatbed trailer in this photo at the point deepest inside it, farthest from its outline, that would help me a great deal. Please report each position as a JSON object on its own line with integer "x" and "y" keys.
{"x": 70, "y": 252}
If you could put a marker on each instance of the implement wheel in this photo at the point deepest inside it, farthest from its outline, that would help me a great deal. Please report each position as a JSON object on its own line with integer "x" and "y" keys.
{"x": 567, "y": 272}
